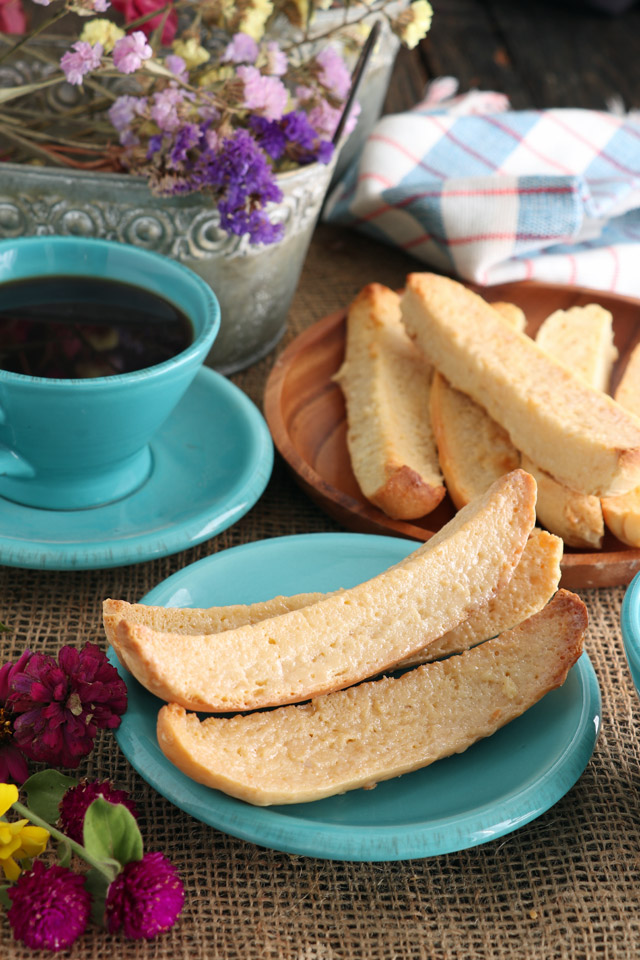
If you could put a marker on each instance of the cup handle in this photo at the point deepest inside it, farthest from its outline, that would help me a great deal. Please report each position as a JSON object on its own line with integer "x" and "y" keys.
{"x": 11, "y": 463}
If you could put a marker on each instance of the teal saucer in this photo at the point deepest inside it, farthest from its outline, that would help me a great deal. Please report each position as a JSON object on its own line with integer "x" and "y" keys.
{"x": 496, "y": 786}
{"x": 212, "y": 460}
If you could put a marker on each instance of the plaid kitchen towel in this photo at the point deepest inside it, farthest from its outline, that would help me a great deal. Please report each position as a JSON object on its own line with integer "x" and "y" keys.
{"x": 494, "y": 195}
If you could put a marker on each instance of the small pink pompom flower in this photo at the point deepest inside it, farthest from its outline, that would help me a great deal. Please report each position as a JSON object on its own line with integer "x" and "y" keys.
{"x": 145, "y": 898}
{"x": 49, "y": 907}
{"x": 242, "y": 49}
{"x": 80, "y": 60}
{"x": 131, "y": 51}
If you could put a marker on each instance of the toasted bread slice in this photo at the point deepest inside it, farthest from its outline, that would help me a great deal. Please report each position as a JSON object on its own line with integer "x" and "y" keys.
{"x": 534, "y": 582}
{"x": 381, "y": 729}
{"x": 581, "y": 339}
{"x": 622, "y": 514}
{"x": 385, "y": 381}
{"x": 578, "y": 435}
{"x": 348, "y": 636}
{"x": 473, "y": 449}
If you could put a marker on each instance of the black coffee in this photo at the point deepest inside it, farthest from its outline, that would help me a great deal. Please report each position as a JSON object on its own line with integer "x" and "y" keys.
{"x": 72, "y": 327}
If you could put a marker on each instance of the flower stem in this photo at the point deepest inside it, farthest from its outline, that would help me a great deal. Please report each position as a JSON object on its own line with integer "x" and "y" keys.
{"x": 34, "y": 33}
{"x": 76, "y": 847}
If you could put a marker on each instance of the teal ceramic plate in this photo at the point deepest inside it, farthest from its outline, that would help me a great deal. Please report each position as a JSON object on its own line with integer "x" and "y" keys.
{"x": 211, "y": 461}
{"x": 498, "y": 785}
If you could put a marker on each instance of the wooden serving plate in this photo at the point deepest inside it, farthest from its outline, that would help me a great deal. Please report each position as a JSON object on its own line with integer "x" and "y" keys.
{"x": 306, "y": 415}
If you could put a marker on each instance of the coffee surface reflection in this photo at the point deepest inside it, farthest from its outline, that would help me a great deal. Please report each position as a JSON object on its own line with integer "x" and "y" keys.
{"x": 70, "y": 327}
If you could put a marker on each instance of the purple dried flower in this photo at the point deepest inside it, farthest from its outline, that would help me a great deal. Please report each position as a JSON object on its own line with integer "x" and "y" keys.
{"x": 78, "y": 799}
{"x": 49, "y": 907}
{"x": 266, "y": 95}
{"x": 186, "y": 138}
{"x": 63, "y": 704}
{"x": 177, "y": 66}
{"x": 242, "y": 49}
{"x": 145, "y": 898}
{"x": 82, "y": 60}
{"x": 131, "y": 51}
{"x": 13, "y": 766}
{"x": 292, "y": 135}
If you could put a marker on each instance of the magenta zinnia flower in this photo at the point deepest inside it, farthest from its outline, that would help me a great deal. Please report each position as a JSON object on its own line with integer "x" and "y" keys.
{"x": 145, "y": 898}
{"x": 63, "y": 704}
{"x": 49, "y": 907}
{"x": 13, "y": 766}
{"x": 78, "y": 799}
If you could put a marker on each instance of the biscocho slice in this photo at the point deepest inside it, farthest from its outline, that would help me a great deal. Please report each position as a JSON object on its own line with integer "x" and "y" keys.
{"x": 381, "y": 729}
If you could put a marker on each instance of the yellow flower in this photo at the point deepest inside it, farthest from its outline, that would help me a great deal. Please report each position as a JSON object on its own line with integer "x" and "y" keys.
{"x": 413, "y": 25}
{"x": 254, "y": 19}
{"x": 102, "y": 31}
{"x": 18, "y": 841}
{"x": 191, "y": 52}
{"x": 216, "y": 74}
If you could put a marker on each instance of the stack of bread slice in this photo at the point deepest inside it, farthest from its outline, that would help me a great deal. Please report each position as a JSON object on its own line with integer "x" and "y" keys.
{"x": 310, "y": 659}
{"x": 492, "y": 399}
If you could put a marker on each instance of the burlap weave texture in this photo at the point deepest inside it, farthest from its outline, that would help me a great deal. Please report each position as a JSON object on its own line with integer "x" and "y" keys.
{"x": 564, "y": 887}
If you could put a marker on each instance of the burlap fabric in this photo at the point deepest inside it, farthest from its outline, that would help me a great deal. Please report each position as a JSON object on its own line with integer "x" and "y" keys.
{"x": 564, "y": 886}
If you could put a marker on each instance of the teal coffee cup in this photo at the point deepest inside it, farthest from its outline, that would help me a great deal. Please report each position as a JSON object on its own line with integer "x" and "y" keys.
{"x": 71, "y": 442}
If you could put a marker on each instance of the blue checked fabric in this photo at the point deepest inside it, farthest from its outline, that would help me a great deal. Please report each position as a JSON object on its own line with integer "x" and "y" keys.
{"x": 493, "y": 195}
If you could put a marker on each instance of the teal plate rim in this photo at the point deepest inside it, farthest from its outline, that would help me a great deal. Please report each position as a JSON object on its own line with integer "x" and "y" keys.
{"x": 189, "y": 497}
{"x": 517, "y": 774}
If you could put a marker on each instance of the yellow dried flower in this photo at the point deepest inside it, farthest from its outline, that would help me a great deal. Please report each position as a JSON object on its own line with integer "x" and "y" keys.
{"x": 102, "y": 31}
{"x": 413, "y": 24}
{"x": 216, "y": 74}
{"x": 191, "y": 52}
{"x": 255, "y": 17}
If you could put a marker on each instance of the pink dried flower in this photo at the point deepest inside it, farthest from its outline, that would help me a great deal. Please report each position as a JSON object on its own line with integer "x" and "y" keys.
{"x": 81, "y": 59}
{"x": 13, "y": 766}
{"x": 145, "y": 898}
{"x": 242, "y": 49}
{"x": 131, "y": 51}
{"x": 62, "y": 705}
{"x": 177, "y": 66}
{"x": 78, "y": 799}
{"x": 49, "y": 907}
{"x": 265, "y": 95}
{"x": 276, "y": 62}
{"x": 333, "y": 73}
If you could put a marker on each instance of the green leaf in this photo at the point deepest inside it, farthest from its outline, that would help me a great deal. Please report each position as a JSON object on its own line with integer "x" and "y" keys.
{"x": 11, "y": 93}
{"x": 97, "y": 885}
{"x": 44, "y": 792}
{"x": 111, "y": 831}
{"x": 4, "y": 628}
{"x": 4, "y": 897}
{"x": 158, "y": 69}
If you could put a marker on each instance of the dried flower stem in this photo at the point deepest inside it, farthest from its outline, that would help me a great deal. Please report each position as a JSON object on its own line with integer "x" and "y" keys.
{"x": 28, "y": 37}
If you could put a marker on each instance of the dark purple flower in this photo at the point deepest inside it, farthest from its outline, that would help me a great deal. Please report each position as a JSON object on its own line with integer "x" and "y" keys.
{"x": 186, "y": 138}
{"x": 13, "y": 766}
{"x": 63, "y": 704}
{"x": 145, "y": 898}
{"x": 49, "y": 907}
{"x": 78, "y": 799}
